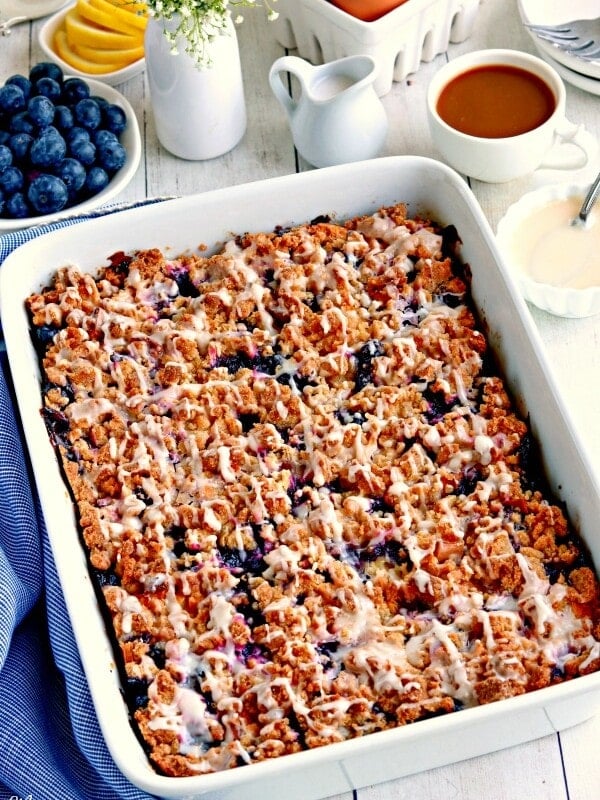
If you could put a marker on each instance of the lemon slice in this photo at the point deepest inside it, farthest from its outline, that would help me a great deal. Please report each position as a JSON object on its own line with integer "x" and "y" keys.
{"x": 100, "y": 56}
{"x": 130, "y": 14}
{"x": 81, "y": 32}
{"x": 64, "y": 50}
{"x": 108, "y": 20}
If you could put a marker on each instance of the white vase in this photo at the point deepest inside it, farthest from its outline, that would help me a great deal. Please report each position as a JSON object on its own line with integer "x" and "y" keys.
{"x": 199, "y": 113}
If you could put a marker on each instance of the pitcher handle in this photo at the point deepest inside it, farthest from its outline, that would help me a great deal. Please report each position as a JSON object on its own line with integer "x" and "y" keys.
{"x": 297, "y": 67}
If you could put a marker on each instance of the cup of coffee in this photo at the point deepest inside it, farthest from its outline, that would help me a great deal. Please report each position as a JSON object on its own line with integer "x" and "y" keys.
{"x": 496, "y": 115}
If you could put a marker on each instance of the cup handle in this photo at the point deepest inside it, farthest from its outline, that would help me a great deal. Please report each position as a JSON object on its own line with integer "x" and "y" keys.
{"x": 562, "y": 155}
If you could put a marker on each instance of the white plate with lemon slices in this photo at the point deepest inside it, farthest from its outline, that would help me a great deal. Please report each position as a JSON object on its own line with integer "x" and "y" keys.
{"x": 101, "y": 39}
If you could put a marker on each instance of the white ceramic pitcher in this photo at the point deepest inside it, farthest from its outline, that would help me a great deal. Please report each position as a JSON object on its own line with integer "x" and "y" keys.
{"x": 337, "y": 117}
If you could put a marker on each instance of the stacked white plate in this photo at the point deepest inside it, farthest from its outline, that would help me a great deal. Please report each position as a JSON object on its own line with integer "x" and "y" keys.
{"x": 29, "y": 9}
{"x": 580, "y": 72}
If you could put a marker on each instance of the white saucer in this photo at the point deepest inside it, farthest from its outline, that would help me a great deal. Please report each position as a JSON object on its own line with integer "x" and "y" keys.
{"x": 554, "y": 12}
{"x": 591, "y": 85}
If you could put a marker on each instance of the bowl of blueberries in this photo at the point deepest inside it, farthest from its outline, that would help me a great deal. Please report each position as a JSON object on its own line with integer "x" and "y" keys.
{"x": 67, "y": 145}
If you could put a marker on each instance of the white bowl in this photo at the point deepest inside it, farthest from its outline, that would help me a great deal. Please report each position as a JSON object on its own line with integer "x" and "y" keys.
{"x": 46, "y": 37}
{"x": 562, "y": 301}
{"x": 131, "y": 141}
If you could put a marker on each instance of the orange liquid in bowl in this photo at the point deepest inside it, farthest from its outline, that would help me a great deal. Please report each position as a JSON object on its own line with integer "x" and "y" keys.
{"x": 494, "y": 101}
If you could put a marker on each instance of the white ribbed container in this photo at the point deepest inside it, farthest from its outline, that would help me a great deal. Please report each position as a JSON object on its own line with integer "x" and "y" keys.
{"x": 416, "y": 31}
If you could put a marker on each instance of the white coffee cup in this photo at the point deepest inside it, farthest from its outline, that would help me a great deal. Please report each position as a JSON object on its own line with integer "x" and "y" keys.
{"x": 554, "y": 144}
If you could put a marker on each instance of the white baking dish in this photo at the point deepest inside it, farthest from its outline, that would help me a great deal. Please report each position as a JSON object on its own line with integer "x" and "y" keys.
{"x": 183, "y": 224}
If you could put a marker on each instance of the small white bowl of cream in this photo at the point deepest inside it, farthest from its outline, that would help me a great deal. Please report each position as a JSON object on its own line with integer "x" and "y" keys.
{"x": 556, "y": 263}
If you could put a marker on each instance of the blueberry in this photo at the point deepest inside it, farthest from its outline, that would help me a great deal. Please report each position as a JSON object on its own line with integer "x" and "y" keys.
{"x": 233, "y": 363}
{"x": 51, "y": 130}
{"x": 141, "y": 495}
{"x": 22, "y": 82}
{"x": 180, "y": 548}
{"x": 106, "y": 577}
{"x": 136, "y": 691}
{"x": 20, "y": 144}
{"x": 72, "y": 173}
{"x": 364, "y": 358}
{"x": 12, "y": 99}
{"x": 11, "y": 180}
{"x": 56, "y": 421}
{"x": 112, "y": 156}
{"x": 554, "y": 571}
{"x": 47, "y": 87}
{"x": 103, "y": 136}
{"x": 46, "y": 69}
{"x": 6, "y": 157}
{"x": 65, "y": 391}
{"x": 20, "y": 123}
{"x": 396, "y": 552}
{"x": 88, "y": 114}
{"x": 41, "y": 111}
{"x": 102, "y": 101}
{"x": 77, "y": 133}
{"x": 186, "y": 286}
{"x": 267, "y": 364}
{"x": 232, "y": 557}
{"x": 379, "y": 504}
{"x": 250, "y": 560}
{"x": 47, "y": 194}
{"x": 114, "y": 119}
{"x": 83, "y": 150}
{"x": 437, "y": 405}
{"x": 468, "y": 481}
{"x": 74, "y": 90}
{"x": 157, "y": 654}
{"x": 4, "y": 137}
{"x": 96, "y": 180}
{"x": 325, "y": 651}
{"x": 299, "y": 382}
{"x": 251, "y": 650}
{"x": 45, "y": 333}
{"x": 350, "y": 417}
{"x": 176, "y": 532}
{"x": 451, "y": 300}
{"x": 63, "y": 118}
{"x": 48, "y": 149}
{"x": 16, "y": 206}
{"x": 248, "y": 421}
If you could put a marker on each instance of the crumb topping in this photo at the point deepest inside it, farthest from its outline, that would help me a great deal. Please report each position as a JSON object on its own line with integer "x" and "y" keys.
{"x": 304, "y": 492}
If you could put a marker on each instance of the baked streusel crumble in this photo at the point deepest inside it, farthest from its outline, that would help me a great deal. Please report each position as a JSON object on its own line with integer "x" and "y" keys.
{"x": 307, "y": 499}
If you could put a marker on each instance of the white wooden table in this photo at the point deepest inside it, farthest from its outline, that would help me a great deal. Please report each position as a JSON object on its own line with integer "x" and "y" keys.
{"x": 565, "y": 766}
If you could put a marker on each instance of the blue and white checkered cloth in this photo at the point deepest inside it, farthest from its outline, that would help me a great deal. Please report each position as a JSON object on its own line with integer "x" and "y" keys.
{"x": 51, "y": 747}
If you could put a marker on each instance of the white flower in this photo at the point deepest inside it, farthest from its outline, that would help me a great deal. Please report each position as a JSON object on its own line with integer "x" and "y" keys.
{"x": 199, "y": 21}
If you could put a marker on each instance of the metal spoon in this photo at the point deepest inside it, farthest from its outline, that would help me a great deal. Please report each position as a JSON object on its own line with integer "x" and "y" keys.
{"x": 590, "y": 198}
